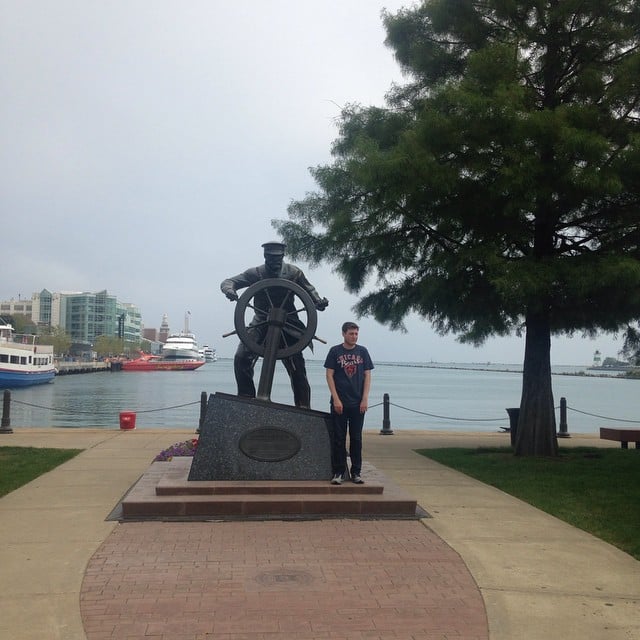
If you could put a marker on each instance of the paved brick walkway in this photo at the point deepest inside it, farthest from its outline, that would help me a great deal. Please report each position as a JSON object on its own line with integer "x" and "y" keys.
{"x": 277, "y": 580}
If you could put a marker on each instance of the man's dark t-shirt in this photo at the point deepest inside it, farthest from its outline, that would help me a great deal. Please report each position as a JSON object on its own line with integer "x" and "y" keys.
{"x": 349, "y": 366}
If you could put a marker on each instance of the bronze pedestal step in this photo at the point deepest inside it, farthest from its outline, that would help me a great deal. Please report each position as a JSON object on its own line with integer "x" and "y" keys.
{"x": 164, "y": 492}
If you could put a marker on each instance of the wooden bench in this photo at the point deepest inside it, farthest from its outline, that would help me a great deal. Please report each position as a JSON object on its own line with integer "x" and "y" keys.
{"x": 624, "y": 436}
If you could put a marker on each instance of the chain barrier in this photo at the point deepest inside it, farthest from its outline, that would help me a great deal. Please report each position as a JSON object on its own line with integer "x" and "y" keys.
{"x": 433, "y": 415}
{"x": 39, "y": 406}
{"x": 501, "y": 419}
{"x": 393, "y": 404}
{"x": 595, "y": 415}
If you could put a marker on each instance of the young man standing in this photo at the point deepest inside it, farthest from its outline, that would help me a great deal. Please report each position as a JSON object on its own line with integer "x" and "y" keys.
{"x": 348, "y": 371}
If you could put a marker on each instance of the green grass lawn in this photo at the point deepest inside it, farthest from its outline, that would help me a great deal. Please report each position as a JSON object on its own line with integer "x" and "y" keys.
{"x": 595, "y": 489}
{"x": 19, "y": 465}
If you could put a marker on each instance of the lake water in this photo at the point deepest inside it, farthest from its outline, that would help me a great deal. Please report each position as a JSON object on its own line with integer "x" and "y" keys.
{"x": 423, "y": 396}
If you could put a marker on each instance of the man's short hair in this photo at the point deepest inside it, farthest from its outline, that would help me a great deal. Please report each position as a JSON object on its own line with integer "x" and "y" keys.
{"x": 347, "y": 326}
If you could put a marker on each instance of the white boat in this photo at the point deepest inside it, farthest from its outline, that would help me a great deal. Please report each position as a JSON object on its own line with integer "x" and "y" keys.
{"x": 23, "y": 362}
{"x": 181, "y": 345}
{"x": 208, "y": 353}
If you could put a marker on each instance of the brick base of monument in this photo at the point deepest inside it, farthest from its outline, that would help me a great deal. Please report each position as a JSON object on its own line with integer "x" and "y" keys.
{"x": 258, "y": 459}
{"x": 164, "y": 492}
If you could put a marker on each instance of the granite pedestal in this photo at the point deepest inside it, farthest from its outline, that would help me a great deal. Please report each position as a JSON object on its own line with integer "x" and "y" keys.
{"x": 250, "y": 439}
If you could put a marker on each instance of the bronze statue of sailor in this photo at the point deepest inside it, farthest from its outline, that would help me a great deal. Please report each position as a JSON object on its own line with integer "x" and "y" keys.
{"x": 276, "y": 330}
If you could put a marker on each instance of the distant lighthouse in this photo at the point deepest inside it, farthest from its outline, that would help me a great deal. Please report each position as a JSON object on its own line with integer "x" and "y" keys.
{"x": 597, "y": 359}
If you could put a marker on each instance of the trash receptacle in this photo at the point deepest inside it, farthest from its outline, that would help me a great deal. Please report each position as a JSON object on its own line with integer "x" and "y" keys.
{"x": 127, "y": 420}
{"x": 514, "y": 414}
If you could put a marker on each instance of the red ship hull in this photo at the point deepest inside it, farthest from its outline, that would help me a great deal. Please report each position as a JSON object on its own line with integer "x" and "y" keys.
{"x": 153, "y": 363}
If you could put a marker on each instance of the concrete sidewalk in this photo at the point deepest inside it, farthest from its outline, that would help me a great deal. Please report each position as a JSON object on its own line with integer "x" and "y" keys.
{"x": 538, "y": 577}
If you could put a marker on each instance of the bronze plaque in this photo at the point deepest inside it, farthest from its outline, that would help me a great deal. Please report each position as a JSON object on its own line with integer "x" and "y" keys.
{"x": 269, "y": 444}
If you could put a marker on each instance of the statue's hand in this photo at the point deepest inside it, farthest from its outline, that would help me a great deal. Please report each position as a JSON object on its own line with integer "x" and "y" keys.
{"x": 231, "y": 295}
{"x": 321, "y": 305}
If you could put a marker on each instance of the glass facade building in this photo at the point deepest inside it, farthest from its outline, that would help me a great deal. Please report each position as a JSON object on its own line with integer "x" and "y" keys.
{"x": 83, "y": 315}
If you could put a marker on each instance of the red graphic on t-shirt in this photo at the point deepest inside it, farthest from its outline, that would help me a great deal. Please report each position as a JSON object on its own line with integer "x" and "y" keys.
{"x": 349, "y": 363}
{"x": 350, "y": 370}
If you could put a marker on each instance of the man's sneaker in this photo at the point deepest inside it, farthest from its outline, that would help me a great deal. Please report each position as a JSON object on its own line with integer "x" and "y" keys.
{"x": 337, "y": 479}
{"x": 357, "y": 479}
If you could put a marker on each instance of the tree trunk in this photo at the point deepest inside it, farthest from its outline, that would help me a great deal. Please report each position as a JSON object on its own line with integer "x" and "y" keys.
{"x": 536, "y": 433}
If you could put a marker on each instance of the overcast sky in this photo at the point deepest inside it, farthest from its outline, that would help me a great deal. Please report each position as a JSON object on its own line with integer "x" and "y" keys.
{"x": 148, "y": 144}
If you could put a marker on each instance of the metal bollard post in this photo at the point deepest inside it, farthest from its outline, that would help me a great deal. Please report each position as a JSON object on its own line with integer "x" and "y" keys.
{"x": 563, "y": 433}
{"x": 386, "y": 423}
{"x": 5, "y": 425}
{"x": 203, "y": 410}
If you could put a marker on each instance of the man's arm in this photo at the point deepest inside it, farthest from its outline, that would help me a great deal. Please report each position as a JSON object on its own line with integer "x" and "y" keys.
{"x": 230, "y": 286}
{"x": 299, "y": 278}
{"x": 331, "y": 383}
{"x": 364, "y": 402}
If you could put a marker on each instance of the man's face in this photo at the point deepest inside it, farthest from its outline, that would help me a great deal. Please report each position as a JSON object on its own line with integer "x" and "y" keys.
{"x": 273, "y": 262}
{"x": 350, "y": 337}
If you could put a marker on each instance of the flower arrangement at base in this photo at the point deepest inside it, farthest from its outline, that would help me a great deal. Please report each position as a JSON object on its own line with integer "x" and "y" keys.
{"x": 180, "y": 449}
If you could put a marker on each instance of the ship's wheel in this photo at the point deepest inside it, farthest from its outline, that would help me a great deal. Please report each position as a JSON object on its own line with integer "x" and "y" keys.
{"x": 286, "y": 318}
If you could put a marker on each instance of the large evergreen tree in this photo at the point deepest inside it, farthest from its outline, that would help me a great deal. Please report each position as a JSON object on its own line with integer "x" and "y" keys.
{"x": 498, "y": 190}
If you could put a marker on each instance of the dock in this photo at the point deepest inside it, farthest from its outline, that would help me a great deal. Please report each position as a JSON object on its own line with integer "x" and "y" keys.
{"x": 69, "y": 368}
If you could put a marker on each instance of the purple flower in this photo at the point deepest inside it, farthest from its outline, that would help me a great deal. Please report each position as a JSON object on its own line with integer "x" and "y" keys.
{"x": 186, "y": 448}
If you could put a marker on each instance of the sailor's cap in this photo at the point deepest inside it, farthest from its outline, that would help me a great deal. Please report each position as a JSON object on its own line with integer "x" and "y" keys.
{"x": 274, "y": 248}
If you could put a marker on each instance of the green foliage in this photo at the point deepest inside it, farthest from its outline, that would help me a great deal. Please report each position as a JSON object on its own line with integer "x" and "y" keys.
{"x": 631, "y": 346}
{"x": 132, "y": 348}
{"x": 19, "y": 465}
{"x": 498, "y": 188}
{"x": 108, "y": 346}
{"x": 594, "y": 489}
{"x": 18, "y": 321}
{"x": 503, "y": 179}
{"x": 57, "y": 337}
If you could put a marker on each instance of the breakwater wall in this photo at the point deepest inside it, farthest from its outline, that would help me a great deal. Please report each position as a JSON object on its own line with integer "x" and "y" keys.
{"x": 69, "y": 368}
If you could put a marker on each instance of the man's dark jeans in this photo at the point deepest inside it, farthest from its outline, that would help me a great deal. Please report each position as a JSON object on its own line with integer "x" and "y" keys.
{"x": 351, "y": 421}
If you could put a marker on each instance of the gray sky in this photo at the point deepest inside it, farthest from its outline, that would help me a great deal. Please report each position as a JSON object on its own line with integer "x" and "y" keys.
{"x": 147, "y": 145}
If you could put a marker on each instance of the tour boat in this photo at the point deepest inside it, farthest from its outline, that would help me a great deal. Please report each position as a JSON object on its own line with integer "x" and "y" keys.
{"x": 23, "y": 362}
{"x": 181, "y": 345}
{"x": 209, "y": 353}
{"x": 148, "y": 362}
